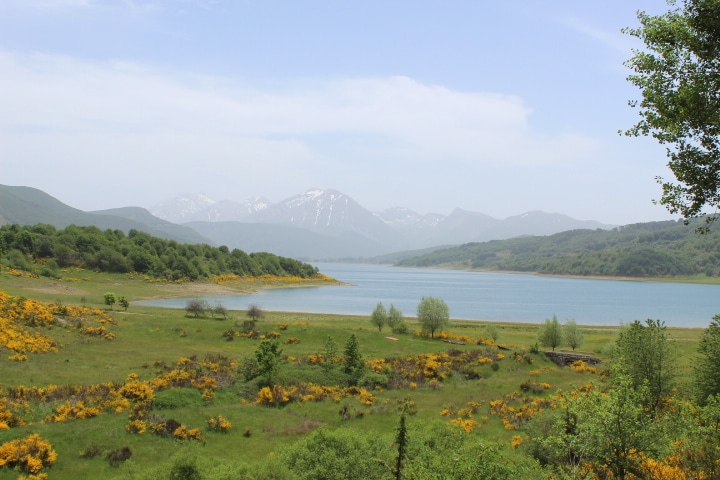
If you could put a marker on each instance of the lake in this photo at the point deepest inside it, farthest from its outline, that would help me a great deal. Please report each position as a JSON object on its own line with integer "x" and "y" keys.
{"x": 490, "y": 296}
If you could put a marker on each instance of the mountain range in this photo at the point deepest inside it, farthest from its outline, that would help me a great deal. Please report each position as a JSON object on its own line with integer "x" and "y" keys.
{"x": 320, "y": 224}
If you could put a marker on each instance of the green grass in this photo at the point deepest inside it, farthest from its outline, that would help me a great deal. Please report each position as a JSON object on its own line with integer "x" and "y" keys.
{"x": 147, "y": 335}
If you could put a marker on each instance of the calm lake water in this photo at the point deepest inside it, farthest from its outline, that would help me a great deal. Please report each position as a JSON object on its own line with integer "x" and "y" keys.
{"x": 487, "y": 296}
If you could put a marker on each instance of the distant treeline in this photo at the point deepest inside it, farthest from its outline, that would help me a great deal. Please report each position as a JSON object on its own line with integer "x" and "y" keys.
{"x": 654, "y": 249}
{"x": 43, "y": 249}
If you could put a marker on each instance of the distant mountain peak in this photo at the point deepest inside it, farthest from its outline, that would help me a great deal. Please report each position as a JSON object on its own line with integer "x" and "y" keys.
{"x": 182, "y": 206}
{"x": 188, "y": 207}
{"x": 336, "y": 217}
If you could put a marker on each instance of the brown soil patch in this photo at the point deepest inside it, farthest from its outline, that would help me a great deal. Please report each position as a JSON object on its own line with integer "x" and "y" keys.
{"x": 57, "y": 288}
{"x": 189, "y": 289}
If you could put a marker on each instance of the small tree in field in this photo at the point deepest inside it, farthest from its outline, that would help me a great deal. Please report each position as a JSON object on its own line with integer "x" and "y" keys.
{"x": 330, "y": 351}
{"x": 123, "y": 302}
{"x": 551, "y": 334}
{"x": 396, "y": 320}
{"x": 646, "y": 354}
{"x": 492, "y": 332}
{"x": 269, "y": 357}
{"x": 354, "y": 364}
{"x": 573, "y": 335}
{"x": 433, "y": 314}
{"x": 110, "y": 299}
{"x": 196, "y": 307}
{"x": 255, "y": 313}
{"x": 706, "y": 371}
{"x": 379, "y": 316}
{"x": 219, "y": 310}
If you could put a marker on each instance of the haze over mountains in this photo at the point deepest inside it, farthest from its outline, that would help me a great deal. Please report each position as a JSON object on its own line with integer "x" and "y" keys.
{"x": 320, "y": 224}
{"x": 328, "y": 224}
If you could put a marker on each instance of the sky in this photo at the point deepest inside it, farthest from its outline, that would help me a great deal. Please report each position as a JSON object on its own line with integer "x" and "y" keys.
{"x": 499, "y": 107}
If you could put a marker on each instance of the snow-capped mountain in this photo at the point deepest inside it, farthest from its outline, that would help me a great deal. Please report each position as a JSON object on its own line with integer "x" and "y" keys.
{"x": 400, "y": 217}
{"x": 178, "y": 209}
{"x": 326, "y": 223}
{"x": 324, "y": 210}
{"x": 188, "y": 207}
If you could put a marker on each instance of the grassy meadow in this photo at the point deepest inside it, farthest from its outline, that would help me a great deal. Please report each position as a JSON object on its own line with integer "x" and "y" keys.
{"x": 148, "y": 339}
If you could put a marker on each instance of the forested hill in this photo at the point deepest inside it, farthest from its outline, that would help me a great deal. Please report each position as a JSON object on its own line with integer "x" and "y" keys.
{"x": 43, "y": 249}
{"x": 654, "y": 249}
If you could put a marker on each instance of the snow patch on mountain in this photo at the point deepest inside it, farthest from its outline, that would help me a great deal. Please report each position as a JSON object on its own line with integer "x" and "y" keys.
{"x": 182, "y": 206}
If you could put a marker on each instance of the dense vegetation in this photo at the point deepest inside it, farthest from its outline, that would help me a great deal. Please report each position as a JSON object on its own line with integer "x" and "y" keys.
{"x": 654, "y": 249}
{"x": 44, "y": 249}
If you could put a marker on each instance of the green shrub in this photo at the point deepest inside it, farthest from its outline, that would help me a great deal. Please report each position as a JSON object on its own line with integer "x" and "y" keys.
{"x": 177, "y": 398}
{"x": 184, "y": 468}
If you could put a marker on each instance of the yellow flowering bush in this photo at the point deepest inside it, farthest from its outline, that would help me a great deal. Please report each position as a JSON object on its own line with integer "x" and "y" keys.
{"x": 580, "y": 366}
{"x": 279, "y": 395}
{"x": 219, "y": 424}
{"x": 136, "y": 426}
{"x": 71, "y": 411}
{"x": 467, "y": 424}
{"x": 30, "y": 454}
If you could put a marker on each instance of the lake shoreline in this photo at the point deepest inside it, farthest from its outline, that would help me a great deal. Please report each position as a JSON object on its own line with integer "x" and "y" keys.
{"x": 693, "y": 280}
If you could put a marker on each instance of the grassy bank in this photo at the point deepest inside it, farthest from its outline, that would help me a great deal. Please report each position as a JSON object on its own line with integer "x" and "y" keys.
{"x": 150, "y": 342}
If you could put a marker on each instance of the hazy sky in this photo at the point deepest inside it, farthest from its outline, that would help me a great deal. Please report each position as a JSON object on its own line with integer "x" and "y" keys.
{"x": 498, "y": 107}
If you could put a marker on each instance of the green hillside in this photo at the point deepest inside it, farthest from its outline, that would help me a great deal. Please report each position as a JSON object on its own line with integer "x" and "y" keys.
{"x": 656, "y": 249}
{"x": 30, "y": 206}
{"x": 45, "y": 250}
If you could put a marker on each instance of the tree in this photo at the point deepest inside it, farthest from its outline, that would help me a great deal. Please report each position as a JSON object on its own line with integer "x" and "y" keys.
{"x": 268, "y": 356}
{"x": 706, "y": 371}
{"x": 433, "y": 314}
{"x": 492, "y": 332}
{"x": 123, "y": 302}
{"x": 255, "y": 312}
{"x": 551, "y": 334}
{"x": 602, "y": 432}
{"x": 573, "y": 336}
{"x": 401, "y": 439}
{"x": 678, "y": 75}
{"x": 196, "y": 307}
{"x": 354, "y": 365}
{"x": 644, "y": 353}
{"x": 110, "y": 299}
{"x": 219, "y": 310}
{"x": 396, "y": 320}
{"x": 379, "y": 316}
{"x": 330, "y": 349}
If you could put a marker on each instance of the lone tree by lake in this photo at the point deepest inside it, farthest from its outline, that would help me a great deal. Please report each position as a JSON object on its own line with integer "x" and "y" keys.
{"x": 551, "y": 334}
{"x": 379, "y": 316}
{"x": 255, "y": 312}
{"x": 433, "y": 314}
{"x": 196, "y": 307}
{"x": 573, "y": 336}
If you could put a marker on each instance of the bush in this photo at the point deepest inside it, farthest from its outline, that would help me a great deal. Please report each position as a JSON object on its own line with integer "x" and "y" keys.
{"x": 116, "y": 457}
{"x": 91, "y": 452}
{"x": 177, "y": 398}
{"x": 184, "y": 469}
{"x": 337, "y": 454}
{"x": 401, "y": 329}
{"x": 371, "y": 380}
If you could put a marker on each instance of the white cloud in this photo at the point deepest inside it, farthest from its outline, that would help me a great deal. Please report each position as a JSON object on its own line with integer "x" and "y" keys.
{"x": 101, "y": 135}
{"x": 423, "y": 122}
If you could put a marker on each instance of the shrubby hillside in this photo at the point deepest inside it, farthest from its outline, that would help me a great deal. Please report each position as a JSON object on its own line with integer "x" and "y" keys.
{"x": 641, "y": 250}
{"x": 44, "y": 250}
